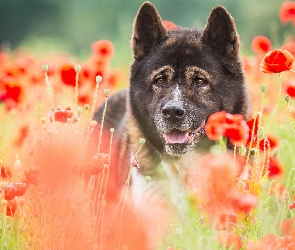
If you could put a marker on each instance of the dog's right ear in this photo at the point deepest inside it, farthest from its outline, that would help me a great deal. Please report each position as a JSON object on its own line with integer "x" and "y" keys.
{"x": 221, "y": 34}
{"x": 148, "y": 30}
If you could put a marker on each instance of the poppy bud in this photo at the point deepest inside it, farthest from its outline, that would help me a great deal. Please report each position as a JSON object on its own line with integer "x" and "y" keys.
{"x": 242, "y": 150}
{"x": 148, "y": 179}
{"x": 106, "y": 91}
{"x": 112, "y": 130}
{"x": 77, "y": 68}
{"x": 79, "y": 110}
{"x": 17, "y": 163}
{"x": 49, "y": 132}
{"x": 45, "y": 67}
{"x": 98, "y": 79}
{"x": 43, "y": 120}
{"x": 86, "y": 107}
{"x": 93, "y": 123}
{"x": 263, "y": 88}
{"x": 142, "y": 141}
{"x": 275, "y": 153}
{"x": 169, "y": 248}
{"x": 287, "y": 98}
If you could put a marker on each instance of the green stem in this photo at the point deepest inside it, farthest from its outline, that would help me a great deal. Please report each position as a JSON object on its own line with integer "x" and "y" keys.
{"x": 101, "y": 126}
{"x": 291, "y": 116}
{"x": 277, "y": 105}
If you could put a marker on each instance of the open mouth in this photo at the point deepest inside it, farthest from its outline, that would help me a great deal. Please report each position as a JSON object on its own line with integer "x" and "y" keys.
{"x": 176, "y": 136}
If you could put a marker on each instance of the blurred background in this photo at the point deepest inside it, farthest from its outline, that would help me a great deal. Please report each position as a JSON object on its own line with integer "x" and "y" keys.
{"x": 70, "y": 26}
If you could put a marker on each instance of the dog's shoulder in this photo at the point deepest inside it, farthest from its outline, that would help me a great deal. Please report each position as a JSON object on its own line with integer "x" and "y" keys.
{"x": 115, "y": 110}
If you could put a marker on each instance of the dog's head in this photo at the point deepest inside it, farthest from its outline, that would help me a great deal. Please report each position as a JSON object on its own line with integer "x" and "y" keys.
{"x": 180, "y": 77}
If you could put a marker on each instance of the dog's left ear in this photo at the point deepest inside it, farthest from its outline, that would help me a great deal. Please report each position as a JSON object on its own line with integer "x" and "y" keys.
{"x": 220, "y": 33}
{"x": 148, "y": 30}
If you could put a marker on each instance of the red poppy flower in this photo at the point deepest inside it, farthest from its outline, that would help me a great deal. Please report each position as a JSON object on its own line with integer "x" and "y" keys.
{"x": 113, "y": 78}
{"x": 5, "y": 172}
{"x": 265, "y": 243}
{"x": 96, "y": 164}
{"x": 169, "y": 25}
{"x": 21, "y": 188}
{"x": 275, "y": 168}
{"x": 228, "y": 218}
{"x": 253, "y": 128}
{"x": 269, "y": 143}
{"x": 261, "y": 44}
{"x": 62, "y": 115}
{"x": 103, "y": 49}
{"x": 85, "y": 72}
{"x": 32, "y": 175}
{"x": 214, "y": 127}
{"x": 290, "y": 88}
{"x": 287, "y": 242}
{"x": 11, "y": 208}
{"x": 277, "y": 61}
{"x": 23, "y": 133}
{"x": 236, "y": 130}
{"x": 243, "y": 203}
{"x": 287, "y": 12}
{"x": 232, "y": 126}
{"x": 229, "y": 240}
{"x": 10, "y": 192}
{"x": 292, "y": 205}
{"x": 68, "y": 74}
{"x": 289, "y": 225}
{"x": 226, "y": 222}
{"x": 170, "y": 248}
{"x": 11, "y": 91}
{"x": 290, "y": 46}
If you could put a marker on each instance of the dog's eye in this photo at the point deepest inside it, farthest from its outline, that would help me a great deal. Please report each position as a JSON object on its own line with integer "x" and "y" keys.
{"x": 200, "y": 81}
{"x": 159, "y": 81}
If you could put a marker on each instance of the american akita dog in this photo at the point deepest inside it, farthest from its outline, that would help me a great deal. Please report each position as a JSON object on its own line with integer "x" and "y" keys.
{"x": 178, "y": 79}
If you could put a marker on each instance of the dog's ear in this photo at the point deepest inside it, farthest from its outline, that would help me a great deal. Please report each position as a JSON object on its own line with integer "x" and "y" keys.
{"x": 148, "y": 30}
{"x": 220, "y": 33}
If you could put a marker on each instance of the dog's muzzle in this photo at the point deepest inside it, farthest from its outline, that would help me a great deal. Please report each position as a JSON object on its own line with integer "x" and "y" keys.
{"x": 180, "y": 132}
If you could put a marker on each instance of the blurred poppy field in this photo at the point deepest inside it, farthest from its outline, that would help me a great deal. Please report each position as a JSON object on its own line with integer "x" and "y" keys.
{"x": 55, "y": 186}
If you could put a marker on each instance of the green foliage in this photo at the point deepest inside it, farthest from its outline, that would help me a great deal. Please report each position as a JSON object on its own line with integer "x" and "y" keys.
{"x": 72, "y": 26}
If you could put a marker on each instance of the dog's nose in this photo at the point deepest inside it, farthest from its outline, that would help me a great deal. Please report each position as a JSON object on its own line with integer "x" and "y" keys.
{"x": 173, "y": 111}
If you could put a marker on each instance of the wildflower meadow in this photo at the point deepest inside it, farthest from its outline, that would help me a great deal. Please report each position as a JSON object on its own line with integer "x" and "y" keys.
{"x": 56, "y": 191}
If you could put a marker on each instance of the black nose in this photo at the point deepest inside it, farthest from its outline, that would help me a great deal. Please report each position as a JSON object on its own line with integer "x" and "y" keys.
{"x": 173, "y": 110}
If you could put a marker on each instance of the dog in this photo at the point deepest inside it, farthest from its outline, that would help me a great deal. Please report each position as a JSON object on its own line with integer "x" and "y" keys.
{"x": 178, "y": 78}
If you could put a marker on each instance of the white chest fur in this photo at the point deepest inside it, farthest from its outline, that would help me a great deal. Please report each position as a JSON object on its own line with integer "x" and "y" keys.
{"x": 170, "y": 188}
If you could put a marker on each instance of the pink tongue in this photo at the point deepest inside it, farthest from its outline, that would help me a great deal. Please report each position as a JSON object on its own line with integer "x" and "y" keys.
{"x": 176, "y": 137}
